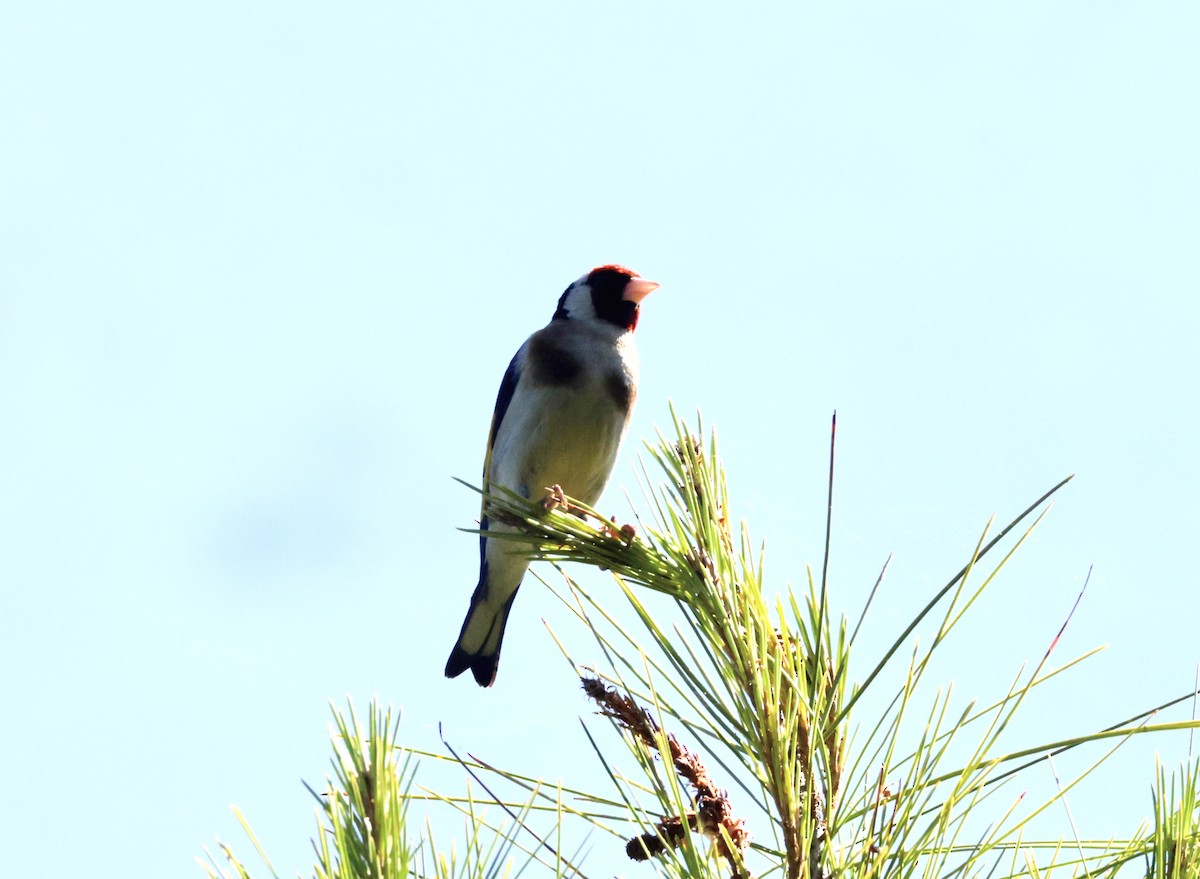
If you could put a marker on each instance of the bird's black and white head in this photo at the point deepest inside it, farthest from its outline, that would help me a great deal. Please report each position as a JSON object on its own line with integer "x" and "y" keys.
{"x": 607, "y": 293}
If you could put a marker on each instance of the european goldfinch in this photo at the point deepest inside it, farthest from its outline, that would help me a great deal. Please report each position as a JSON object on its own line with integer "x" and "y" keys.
{"x": 561, "y": 413}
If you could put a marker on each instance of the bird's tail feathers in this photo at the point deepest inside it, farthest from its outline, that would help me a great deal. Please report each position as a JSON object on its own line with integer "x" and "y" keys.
{"x": 480, "y": 640}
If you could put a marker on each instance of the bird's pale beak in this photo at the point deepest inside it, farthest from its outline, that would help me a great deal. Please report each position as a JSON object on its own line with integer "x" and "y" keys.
{"x": 638, "y": 289}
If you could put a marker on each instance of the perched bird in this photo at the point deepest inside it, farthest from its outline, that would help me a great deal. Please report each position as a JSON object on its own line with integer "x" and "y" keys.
{"x": 560, "y": 416}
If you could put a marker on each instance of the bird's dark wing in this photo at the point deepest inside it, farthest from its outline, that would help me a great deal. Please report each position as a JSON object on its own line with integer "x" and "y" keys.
{"x": 508, "y": 387}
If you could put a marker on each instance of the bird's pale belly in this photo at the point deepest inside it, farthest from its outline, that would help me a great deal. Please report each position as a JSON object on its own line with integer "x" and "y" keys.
{"x": 573, "y": 445}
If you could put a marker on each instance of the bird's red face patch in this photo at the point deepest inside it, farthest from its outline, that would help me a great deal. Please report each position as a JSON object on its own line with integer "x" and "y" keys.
{"x": 608, "y": 285}
{"x": 617, "y": 292}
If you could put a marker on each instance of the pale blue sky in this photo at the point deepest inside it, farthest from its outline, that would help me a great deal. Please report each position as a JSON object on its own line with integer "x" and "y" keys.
{"x": 262, "y": 267}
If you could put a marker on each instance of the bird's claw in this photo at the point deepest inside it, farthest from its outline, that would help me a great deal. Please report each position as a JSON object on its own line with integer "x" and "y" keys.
{"x": 624, "y": 532}
{"x": 555, "y": 499}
